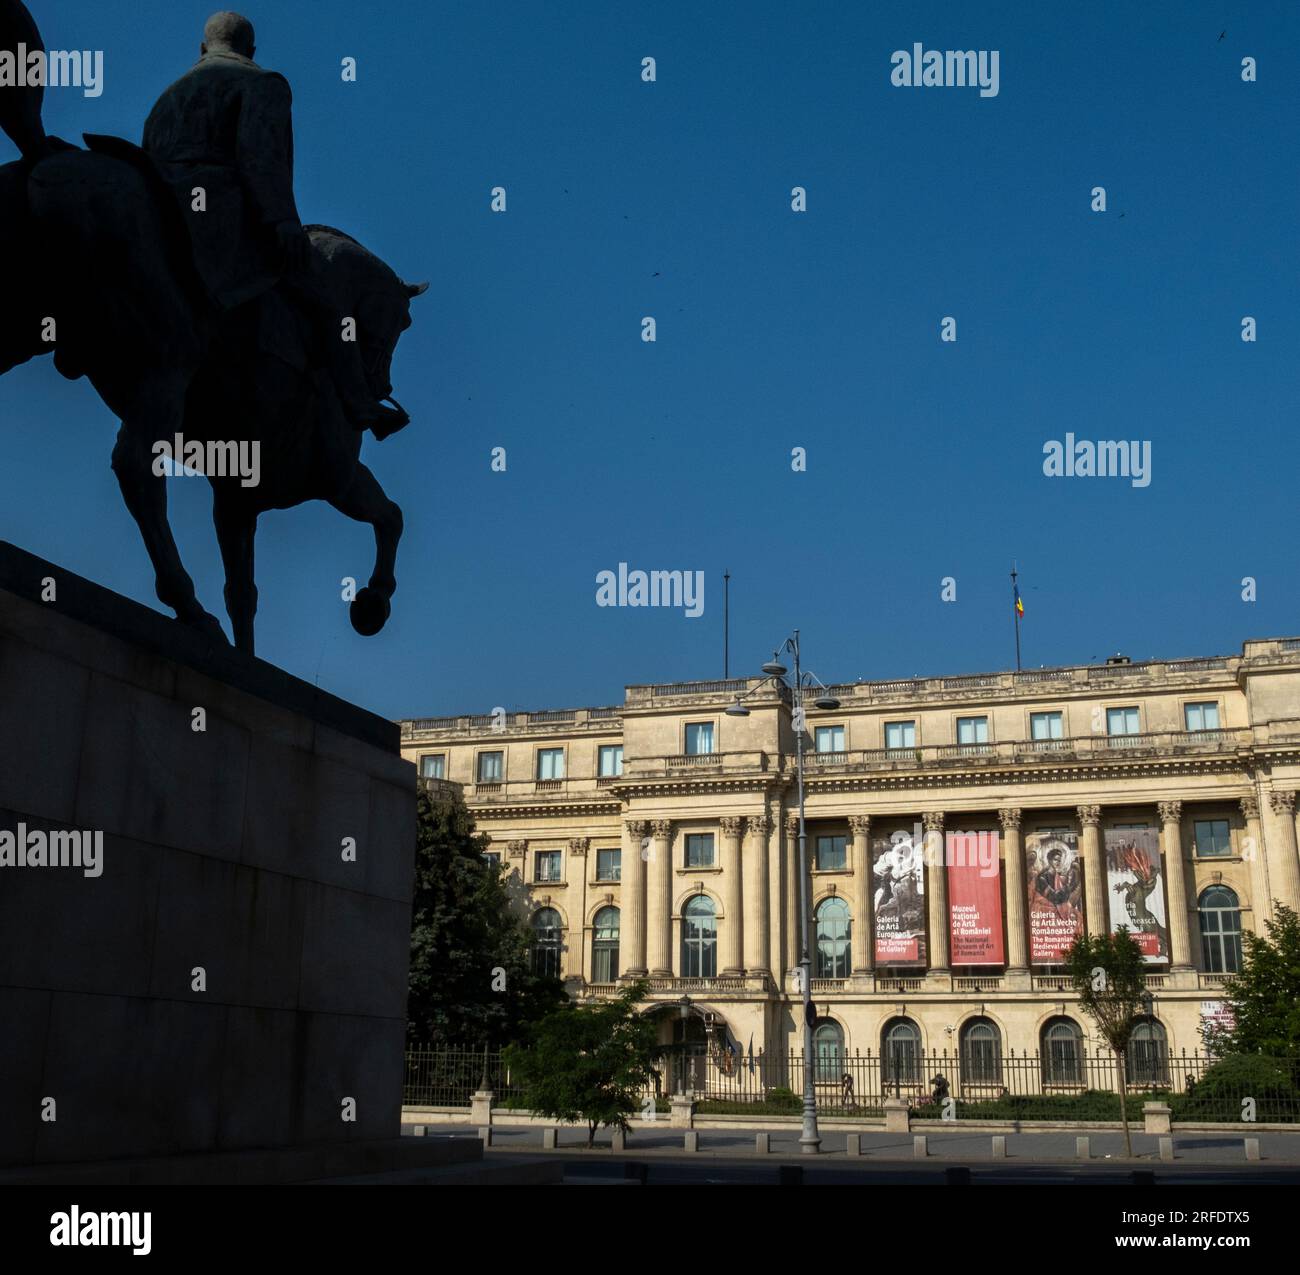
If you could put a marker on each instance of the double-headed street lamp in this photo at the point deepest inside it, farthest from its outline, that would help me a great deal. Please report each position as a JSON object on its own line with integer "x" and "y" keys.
{"x": 809, "y": 1139}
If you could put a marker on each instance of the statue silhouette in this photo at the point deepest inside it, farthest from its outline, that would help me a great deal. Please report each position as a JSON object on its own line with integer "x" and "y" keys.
{"x": 225, "y": 336}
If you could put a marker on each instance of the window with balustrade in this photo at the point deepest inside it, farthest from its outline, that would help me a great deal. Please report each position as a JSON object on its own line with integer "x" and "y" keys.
{"x": 972, "y": 731}
{"x": 1203, "y": 716}
{"x": 699, "y": 738}
{"x": 547, "y": 943}
{"x": 433, "y": 766}
{"x": 1062, "y": 1052}
{"x": 611, "y": 761}
{"x": 1219, "y": 912}
{"x": 900, "y": 735}
{"x": 490, "y": 767}
{"x": 604, "y": 946}
{"x": 833, "y": 939}
{"x": 1044, "y": 726}
{"x": 981, "y": 1052}
{"x": 1123, "y": 721}
{"x": 550, "y": 764}
{"x": 829, "y": 739}
{"x": 699, "y": 938}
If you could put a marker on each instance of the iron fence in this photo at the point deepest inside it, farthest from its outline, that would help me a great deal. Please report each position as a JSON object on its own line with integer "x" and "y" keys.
{"x": 1062, "y": 1084}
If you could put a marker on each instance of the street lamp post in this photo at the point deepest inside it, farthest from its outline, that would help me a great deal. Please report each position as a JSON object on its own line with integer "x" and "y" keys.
{"x": 809, "y": 1139}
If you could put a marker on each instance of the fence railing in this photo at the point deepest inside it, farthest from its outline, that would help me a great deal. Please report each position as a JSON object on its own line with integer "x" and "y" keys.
{"x": 1067, "y": 1083}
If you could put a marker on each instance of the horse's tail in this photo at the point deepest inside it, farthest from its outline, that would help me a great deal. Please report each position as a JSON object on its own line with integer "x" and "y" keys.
{"x": 20, "y": 108}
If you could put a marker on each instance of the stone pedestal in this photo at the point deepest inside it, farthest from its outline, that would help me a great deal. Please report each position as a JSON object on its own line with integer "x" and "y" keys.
{"x": 1155, "y": 1117}
{"x": 897, "y": 1114}
{"x": 231, "y": 974}
{"x": 681, "y": 1111}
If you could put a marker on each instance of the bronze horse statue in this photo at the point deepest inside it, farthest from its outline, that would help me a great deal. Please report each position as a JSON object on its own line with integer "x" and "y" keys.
{"x": 98, "y": 271}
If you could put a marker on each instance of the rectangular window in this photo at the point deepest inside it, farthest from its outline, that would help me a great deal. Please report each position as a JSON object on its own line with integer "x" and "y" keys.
{"x": 830, "y": 739}
{"x": 699, "y": 850}
{"x": 831, "y": 854}
{"x": 492, "y": 857}
{"x": 609, "y": 865}
{"x": 900, "y": 734}
{"x": 490, "y": 767}
{"x": 1211, "y": 838}
{"x": 550, "y": 763}
{"x": 972, "y": 730}
{"x": 547, "y": 866}
{"x": 1201, "y": 716}
{"x": 1046, "y": 726}
{"x": 433, "y": 766}
{"x": 699, "y": 738}
{"x": 1122, "y": 721}
{"x": 611, "y": 759}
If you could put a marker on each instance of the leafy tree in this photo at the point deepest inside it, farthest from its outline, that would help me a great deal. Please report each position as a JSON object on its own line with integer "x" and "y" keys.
{"x": 1109, "y": 974}
{"x": 588, "y": 1062}
{"x": 471, "y": 982}
{"x": 1265, "y": 996}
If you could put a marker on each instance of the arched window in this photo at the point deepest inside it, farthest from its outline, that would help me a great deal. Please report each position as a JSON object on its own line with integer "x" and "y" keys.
{"x": 833, "y": 939}
{"x": 547, "y": 930}
{"x": 1062, "y": 1044}
{"x": 828, "y": 1049}
{"x": 604, "y": 946}
{"x": 1219, "y": 912}
{"x": 981, "y": 1053}
{"x": 699, "y": 939}
{"x": 1147, "y": 1061}
{"x": 901, "y": 1051}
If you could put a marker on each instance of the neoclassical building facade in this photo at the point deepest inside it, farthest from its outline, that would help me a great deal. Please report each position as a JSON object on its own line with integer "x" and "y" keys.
{"x": 959, "y": 832}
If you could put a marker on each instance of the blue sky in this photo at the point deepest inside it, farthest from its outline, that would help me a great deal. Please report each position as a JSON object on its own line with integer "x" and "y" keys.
{"x": 775, "y": 330}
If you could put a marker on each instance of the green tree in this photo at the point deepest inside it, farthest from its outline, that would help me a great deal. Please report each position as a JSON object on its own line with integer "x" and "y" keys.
{"x": 1109, "y": 974}
{"x": 588, "y": 1062}
{"x": 471, "y": 982}
{"x": 1265, "y": 996}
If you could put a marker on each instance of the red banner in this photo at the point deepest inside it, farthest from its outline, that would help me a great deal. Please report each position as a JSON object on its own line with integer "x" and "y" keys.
{"x": 974, "y": 899}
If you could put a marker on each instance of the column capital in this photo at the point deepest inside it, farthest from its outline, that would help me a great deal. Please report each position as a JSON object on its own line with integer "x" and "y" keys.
{"x": 1170, "y": 811}
{"x": 861, "y": 824}
{"x": 1009, "y": 816}
{"x": 761, "y": 824}
{"x": 578, "y": 845}
{"x": 933, "y": 820}
{"x": 1282, "y": 801}
{"x": 636, "y": 827}
{"x": 662, "y": 827}
{"x": 516, "y": 848}
{"x": 1089, "y": 816}
{"x": 1250, "y": 806}
{"x": 730, "y": 825}
{"x": 792, "y": 824}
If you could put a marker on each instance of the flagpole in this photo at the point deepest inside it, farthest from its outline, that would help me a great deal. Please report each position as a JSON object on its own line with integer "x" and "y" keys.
{"x": 726, "y": 625}
{"x": 1015, "y": 610}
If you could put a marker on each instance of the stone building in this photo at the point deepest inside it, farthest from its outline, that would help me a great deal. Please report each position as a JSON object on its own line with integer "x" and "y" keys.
{"x": 959, "y": 831}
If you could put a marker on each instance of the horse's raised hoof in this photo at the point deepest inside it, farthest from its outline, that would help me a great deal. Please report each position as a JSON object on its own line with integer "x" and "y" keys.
{"x": 209, "y": 624}
{"x": 369, "y": 611}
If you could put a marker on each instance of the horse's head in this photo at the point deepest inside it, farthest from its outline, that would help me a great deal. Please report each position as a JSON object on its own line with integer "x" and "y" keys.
{"x": 20, "y": 269}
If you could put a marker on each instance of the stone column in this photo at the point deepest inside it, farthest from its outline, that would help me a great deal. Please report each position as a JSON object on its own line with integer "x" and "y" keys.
{"x": 631, "y": 918}
{"x": 754, "y": 890}
{"x": 1283, "y": 868}
{"x": 1253, "y": 852}
{"x": 863, "y": 948}
{"x": 1171, "y": 821}
{"x": 659, "y": 901}
{"x": 936, "y": 891}
{"x": 576, "y": 877}
{"x": 1094, "y": 871}
{"x": 732, "y": 940}
{"x": 1014, "y": 858}
{"x": 791, "y": 892}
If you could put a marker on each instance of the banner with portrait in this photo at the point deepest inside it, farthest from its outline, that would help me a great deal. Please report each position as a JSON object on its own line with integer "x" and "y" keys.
{"x": 898, "y": 899}
{"x": 974, "y": 899}
{"x": 1054, "y": 879}
{"x": 1135, "y": 884}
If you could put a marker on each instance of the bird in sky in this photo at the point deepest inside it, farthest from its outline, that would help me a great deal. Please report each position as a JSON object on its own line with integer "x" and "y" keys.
{"x": 1222, "y": 34}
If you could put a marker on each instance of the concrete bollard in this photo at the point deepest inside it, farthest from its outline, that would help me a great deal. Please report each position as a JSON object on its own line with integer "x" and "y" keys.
{"x": 485, "y": 1135}
{"x": 1082, "y": 1149}
{"x": 999, "y": 1146}
{"x": 762, "y": 1143}
{"x": 1252, "y": 1148}
{"x": 1166, "y": 1148}
{"x": 853, "y": 1144}
{"x": 417, "y": 1130}
{"x": 919, "y": 1149}
{"x": 691, "y": 1139}
{"x": 549, "y": 1139}
{"x": 619, "y": 1141}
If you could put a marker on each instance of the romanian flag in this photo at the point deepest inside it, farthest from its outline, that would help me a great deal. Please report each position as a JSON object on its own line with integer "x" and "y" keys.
{"x": 1020, "y": 606}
